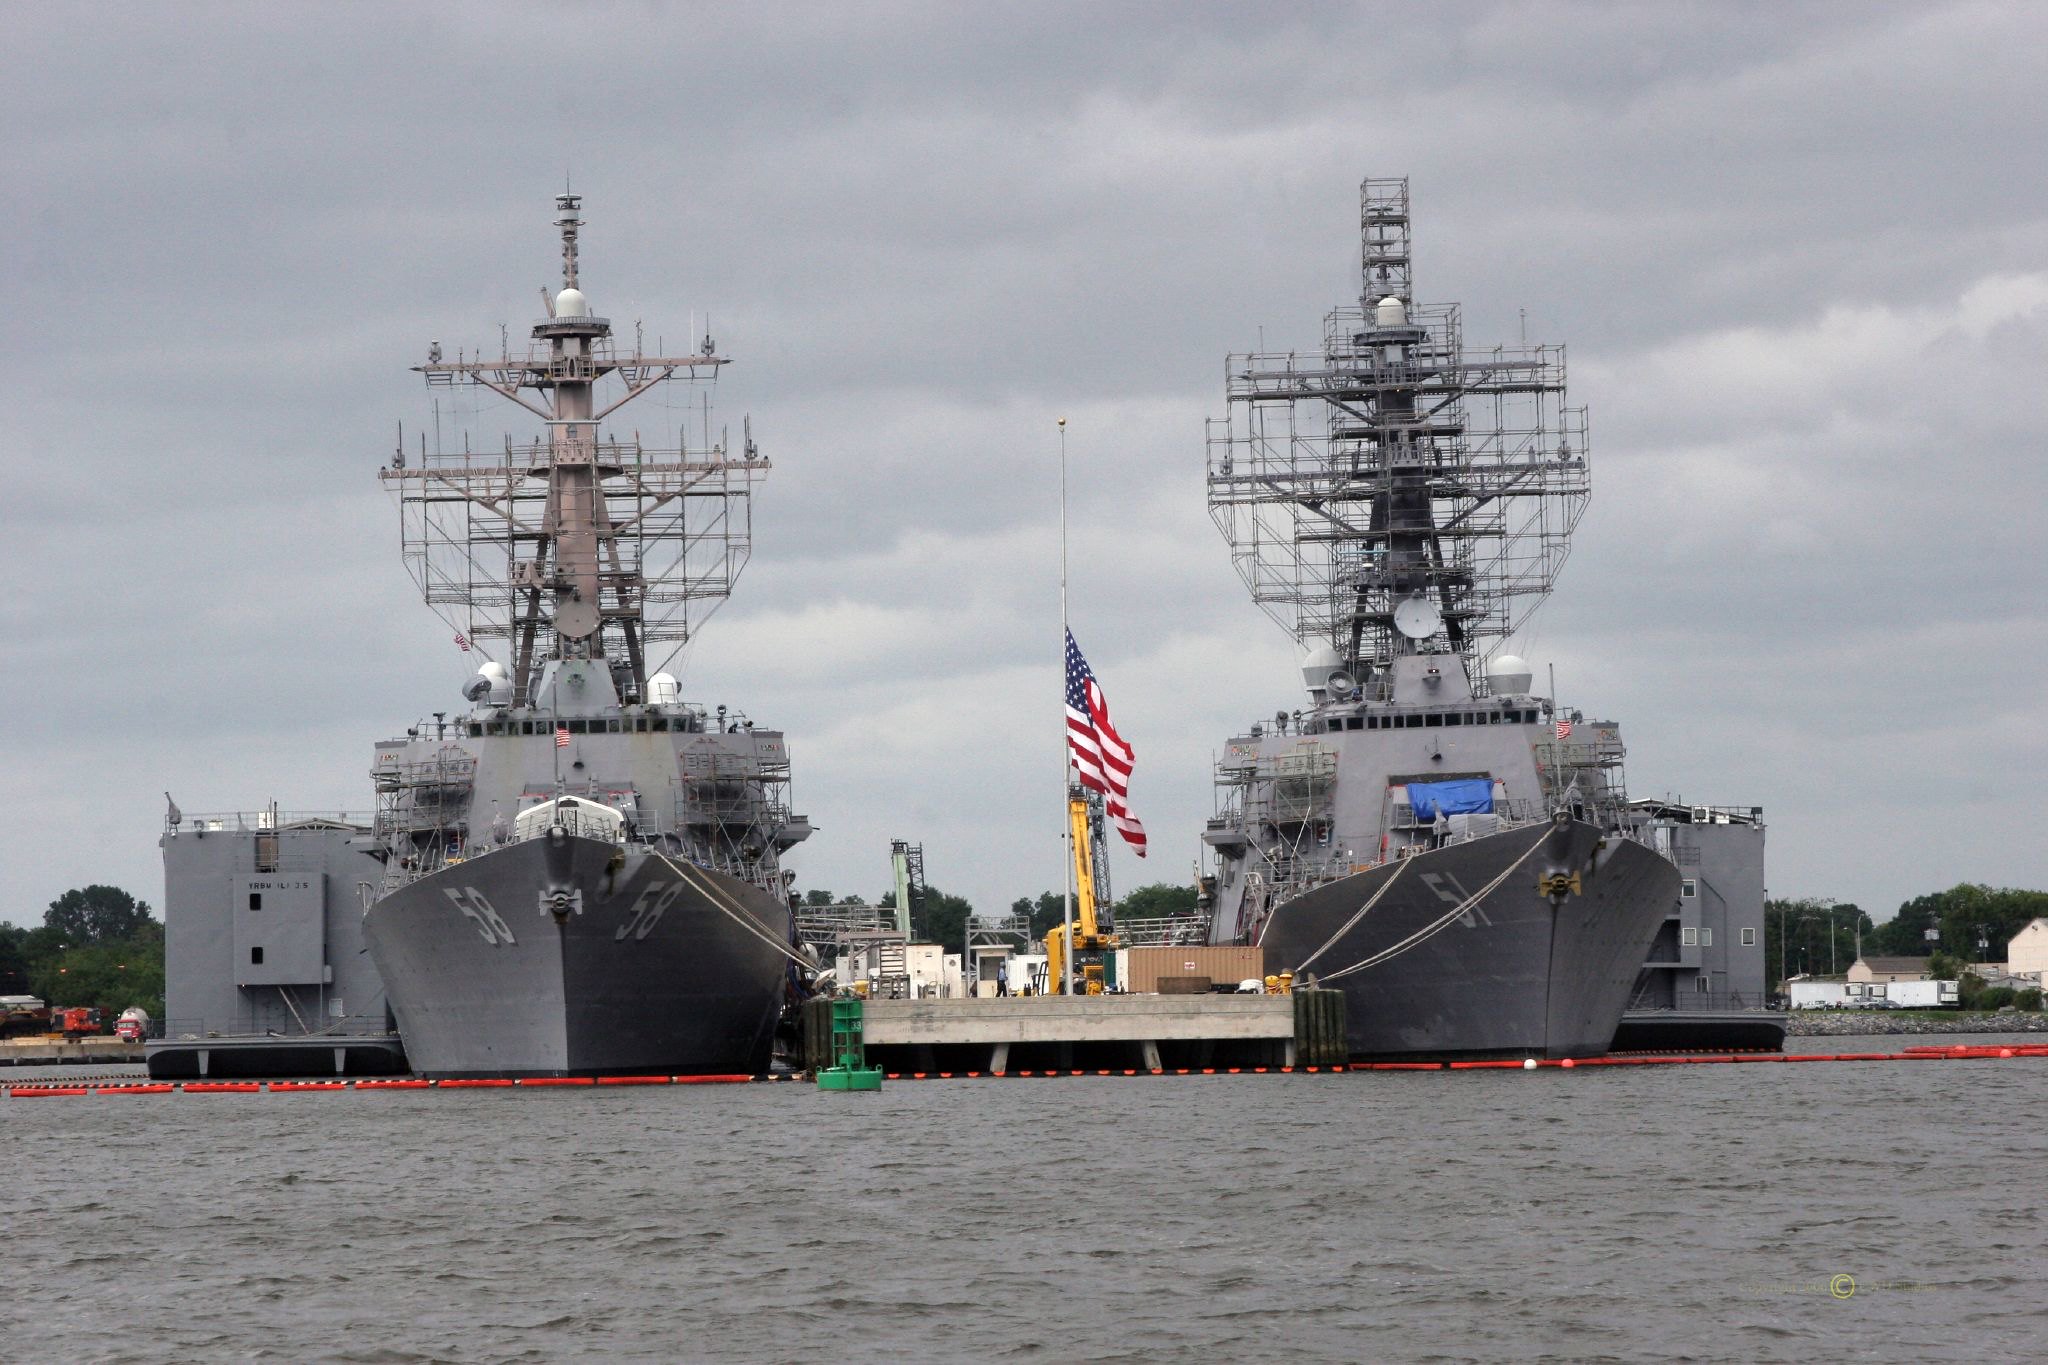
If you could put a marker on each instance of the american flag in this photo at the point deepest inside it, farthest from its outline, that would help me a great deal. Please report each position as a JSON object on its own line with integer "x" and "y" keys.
{"x": 1101, "y": 758}
{"x": 462, "y": 642}
{"x": 561, "y": 736}
{"x": 1564, "y": 729}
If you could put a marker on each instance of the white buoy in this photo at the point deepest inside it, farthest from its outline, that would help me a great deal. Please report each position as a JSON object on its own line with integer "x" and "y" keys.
{"x": 1528, "y": 1064}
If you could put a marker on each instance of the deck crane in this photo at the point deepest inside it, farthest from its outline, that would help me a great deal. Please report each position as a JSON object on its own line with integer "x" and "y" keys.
{"x": 1091, "y": 943}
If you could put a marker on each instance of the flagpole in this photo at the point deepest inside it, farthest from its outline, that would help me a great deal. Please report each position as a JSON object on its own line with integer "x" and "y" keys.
{"x": 1066, "y": 825}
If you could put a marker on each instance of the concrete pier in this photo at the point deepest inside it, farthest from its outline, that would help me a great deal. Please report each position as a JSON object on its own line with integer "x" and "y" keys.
{"x": 1145, "y": 1032}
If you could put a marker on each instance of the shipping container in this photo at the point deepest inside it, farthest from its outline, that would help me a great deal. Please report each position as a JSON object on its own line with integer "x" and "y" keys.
{"x": 1225, "y": 966}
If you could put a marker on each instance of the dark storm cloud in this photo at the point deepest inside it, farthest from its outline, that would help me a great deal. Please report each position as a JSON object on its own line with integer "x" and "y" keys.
{"x": 1793, "y": 249}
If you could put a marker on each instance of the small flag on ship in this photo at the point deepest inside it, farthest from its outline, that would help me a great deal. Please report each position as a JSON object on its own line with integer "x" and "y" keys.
{"x": 462, "y": 642}
{"x": 1101, "y": 758}
{"x": 561, "y": 736}
{"x": 1564, "y": 729}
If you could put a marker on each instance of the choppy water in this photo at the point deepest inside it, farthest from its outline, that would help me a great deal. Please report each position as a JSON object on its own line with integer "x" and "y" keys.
{"x": 1637, "y": 1213}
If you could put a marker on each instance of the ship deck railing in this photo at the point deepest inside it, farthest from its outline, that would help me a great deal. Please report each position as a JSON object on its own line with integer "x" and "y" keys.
{"x": 267, "y": 821}
{"x": 1688, "y": 1001}
{"x": 1156, "y": 931}
{"x": 194, "y": 1028}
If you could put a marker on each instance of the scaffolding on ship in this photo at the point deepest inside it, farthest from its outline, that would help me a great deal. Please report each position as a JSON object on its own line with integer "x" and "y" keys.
{"x": 1394, "y": 463}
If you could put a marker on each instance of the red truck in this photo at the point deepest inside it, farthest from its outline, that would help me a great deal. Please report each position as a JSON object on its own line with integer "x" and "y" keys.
{"x": 75, "y": 1022}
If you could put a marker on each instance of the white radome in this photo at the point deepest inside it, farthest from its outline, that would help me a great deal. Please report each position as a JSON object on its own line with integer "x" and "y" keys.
{"x": 1509, "y": 675}
{"x": 570, "y": 303}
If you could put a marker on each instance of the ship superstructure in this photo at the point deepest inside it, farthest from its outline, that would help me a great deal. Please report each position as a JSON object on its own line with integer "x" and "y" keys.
{"x": 1427, "y": 831}
{"x": 582, "y": 873}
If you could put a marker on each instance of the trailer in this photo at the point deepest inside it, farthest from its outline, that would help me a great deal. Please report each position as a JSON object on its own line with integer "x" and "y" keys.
{"x": 1922, "y": 995}
{"x": 1818, "y": 995}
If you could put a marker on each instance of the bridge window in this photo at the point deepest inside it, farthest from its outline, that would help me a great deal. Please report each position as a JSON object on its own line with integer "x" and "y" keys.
{"x": 256, "y": 957}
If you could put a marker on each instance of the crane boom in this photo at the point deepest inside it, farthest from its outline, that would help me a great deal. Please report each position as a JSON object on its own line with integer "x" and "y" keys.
{"x": 1084, "y": 870}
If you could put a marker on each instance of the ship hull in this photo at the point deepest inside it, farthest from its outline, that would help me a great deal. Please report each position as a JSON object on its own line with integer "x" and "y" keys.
{"x": 1515, "y": 975}
{"x": 655, "y": 973}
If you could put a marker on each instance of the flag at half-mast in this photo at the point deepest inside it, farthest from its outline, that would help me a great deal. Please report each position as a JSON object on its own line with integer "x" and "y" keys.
{"x": 1101, "y": 758}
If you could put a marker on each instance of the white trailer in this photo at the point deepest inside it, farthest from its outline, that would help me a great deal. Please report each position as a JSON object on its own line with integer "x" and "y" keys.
{"x": 1818, "y": 995}
{"x": 1921, "y": 995}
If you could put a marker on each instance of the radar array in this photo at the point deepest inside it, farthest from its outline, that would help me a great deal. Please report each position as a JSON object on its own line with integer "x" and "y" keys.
{"x": 1394, "y": 466}
{"x": 577, "y": 544}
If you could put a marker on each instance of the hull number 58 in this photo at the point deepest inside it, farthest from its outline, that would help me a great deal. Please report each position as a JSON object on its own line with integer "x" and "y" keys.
{"x": 647, "y": 911}
{"x": 490, "y": 925}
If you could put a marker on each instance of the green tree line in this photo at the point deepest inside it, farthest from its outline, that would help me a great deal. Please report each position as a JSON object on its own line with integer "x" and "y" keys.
{"x": 97, "y": 946}
{"x": 942, "y": 917}
{"x": 1970, "y": 923}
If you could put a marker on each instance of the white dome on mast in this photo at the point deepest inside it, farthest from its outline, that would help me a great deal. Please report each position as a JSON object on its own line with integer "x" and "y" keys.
{"x": 1508, "y": 676}
{"x": 570, "y": 303}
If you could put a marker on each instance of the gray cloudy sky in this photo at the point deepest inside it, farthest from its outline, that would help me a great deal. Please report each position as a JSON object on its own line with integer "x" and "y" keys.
{"x": 1799, "y": 254}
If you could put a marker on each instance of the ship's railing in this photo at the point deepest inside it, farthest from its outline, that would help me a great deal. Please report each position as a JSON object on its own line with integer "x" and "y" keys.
{"x": 195, "y": 1028}
{"x": 822, "y": 926}
{"x": 1648, "y": 997}
{"x": 750, "y": 870}
{"x": 265, "y": 821}
{"x": 1152, "y": 931}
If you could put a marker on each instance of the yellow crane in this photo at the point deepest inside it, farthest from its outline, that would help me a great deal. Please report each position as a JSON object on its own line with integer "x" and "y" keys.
{"x": 1090, "y": 943}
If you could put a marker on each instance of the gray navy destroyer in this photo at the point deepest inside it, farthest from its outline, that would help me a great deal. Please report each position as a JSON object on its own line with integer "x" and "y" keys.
{"x": 1428, "y": 833}
{"x": 581, "y": 873}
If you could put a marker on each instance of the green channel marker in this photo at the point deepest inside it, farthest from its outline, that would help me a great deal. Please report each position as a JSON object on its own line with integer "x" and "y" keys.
{"x": 851, "y": 1071}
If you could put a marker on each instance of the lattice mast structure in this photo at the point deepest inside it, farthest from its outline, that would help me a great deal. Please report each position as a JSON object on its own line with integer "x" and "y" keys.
{"x": 1396, "y": 465}
{"x": 577, "y": 544}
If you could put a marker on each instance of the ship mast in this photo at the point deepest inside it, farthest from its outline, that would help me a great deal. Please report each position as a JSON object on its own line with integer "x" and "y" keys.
{"x": 1395, "y": 491}
{"x": 576, "y": 545}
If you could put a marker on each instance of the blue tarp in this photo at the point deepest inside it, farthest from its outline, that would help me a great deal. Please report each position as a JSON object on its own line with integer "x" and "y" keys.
{"x": 1464, "y": 796}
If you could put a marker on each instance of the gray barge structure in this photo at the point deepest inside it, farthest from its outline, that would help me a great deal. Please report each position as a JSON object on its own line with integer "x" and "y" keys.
{"x": 1429, "y": 833}
{"x": 1704, "y": 984}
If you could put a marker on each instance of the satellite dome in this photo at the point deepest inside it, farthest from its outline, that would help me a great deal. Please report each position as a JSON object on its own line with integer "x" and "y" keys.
{"x": 570, "y": 303}
{"x": 663, "y": 689}
{"x": 1390, "y": 313}
{"x": 1508, "y": 675}
{"x": 491, "y": 686}
{"x": 1317, "y": 666}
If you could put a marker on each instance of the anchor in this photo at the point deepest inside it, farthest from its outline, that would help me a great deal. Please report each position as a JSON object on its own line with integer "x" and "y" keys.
{"x": 559, "y": 897}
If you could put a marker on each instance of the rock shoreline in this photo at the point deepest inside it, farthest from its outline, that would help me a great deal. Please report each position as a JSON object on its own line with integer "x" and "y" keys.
{"x": 1882, "y": 1023}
